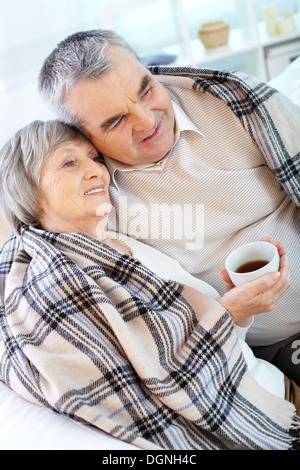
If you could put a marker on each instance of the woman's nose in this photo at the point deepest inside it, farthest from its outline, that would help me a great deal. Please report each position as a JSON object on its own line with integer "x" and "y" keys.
{"x": 93, "y": 170}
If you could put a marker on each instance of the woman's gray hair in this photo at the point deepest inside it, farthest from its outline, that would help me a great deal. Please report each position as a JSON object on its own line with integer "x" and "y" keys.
{"x": 21, "y": 161}
{"x": 80, "y": 56}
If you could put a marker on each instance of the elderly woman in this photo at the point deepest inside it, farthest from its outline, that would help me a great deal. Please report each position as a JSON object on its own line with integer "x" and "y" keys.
{"x": 109, "y": 331}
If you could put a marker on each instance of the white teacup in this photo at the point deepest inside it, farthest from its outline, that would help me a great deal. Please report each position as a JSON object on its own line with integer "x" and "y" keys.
{"x": 256, "y": 251}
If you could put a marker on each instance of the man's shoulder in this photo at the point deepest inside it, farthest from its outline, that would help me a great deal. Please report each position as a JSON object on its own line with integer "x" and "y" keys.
{"x": 179, "y": 87}
{"x": 187, "y": 77}
{"x": 183, "y": 81}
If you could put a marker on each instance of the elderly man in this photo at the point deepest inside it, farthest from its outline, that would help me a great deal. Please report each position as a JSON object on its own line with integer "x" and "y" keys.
{"x": 220, "y": 150}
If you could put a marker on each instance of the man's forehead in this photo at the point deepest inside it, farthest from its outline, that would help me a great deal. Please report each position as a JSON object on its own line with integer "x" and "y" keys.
{"x": 127, "y": 79}
{"x": 105, "y": 96}
{"x": 126, "y": 64}
{"x": 117, "y": 111}
{"x": 115, "y": 54}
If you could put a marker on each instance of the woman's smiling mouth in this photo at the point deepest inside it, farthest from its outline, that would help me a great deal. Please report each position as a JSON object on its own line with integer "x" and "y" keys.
{"x": 94, "y": 191}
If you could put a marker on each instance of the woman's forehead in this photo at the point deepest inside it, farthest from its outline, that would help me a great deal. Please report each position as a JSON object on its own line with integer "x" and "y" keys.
{"x": 69, "y": 147}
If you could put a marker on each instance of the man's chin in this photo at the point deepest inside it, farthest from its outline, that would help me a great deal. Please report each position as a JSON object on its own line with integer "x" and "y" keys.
{"x": 156, "y": 157}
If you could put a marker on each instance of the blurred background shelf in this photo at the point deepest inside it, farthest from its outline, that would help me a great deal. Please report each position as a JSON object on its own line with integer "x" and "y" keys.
{"x": 174, "y": 31}
{"x": 165, "y": 31}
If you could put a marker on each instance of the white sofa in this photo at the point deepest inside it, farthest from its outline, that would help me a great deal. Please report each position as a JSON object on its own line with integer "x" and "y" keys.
{"x": 24, "y": 426}
{"x": 27, "y": 426}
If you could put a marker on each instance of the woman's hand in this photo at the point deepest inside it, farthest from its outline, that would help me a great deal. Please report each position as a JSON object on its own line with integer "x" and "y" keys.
{"x": 258, "y": 296}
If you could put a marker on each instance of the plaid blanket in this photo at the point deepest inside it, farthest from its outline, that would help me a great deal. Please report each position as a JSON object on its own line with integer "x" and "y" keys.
{"x": 271, "y": 119}
{"x": 92, "y": 333}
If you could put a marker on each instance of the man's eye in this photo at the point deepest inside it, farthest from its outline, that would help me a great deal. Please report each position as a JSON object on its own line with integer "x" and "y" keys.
{"x": 118, "y": 122}
{"x": 147, "y": 92}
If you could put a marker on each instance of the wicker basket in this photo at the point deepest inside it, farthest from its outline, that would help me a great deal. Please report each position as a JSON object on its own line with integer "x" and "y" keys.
{"x": 214, "y": 34}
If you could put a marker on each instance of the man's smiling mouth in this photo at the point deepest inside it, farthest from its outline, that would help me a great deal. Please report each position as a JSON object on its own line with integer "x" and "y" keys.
{"x": 152, "y": 134}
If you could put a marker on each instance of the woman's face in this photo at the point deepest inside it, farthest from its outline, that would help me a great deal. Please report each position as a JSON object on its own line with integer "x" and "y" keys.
{"x": 74, "y": 190}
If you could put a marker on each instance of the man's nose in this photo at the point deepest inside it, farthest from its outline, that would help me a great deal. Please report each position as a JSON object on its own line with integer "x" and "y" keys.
{"x": 143, "y": 118}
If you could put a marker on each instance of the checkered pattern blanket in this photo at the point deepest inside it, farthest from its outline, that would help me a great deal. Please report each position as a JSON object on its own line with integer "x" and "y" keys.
{"x": 271, "y": 119}
{"x": 93, "y": 334}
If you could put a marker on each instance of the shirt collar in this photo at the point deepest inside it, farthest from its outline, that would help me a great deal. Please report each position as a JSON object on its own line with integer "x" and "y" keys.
{"x": 182, "y": 123}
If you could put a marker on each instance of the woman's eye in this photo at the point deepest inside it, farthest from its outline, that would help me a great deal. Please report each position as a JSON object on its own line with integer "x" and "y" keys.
{"x": 98, "y": 159}
{"x": 69, "y": 163}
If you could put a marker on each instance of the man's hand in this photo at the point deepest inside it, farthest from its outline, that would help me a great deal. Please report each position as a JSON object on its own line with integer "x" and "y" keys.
{"x": 258, "y": 296}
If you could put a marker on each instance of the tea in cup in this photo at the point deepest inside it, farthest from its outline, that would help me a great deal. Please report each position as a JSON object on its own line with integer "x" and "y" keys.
{"x": 248, "y": 262}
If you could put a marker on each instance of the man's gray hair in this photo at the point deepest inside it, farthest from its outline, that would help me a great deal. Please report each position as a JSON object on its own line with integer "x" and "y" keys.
{"x": 21, "y": 161}
{"x": 82, "y": 55}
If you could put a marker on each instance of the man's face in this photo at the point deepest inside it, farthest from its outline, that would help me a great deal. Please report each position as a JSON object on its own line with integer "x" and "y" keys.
{"x": 127, "y": 113}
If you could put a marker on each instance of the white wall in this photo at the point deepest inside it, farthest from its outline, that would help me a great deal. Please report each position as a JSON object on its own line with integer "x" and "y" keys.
{"x": 29, "y": 30}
